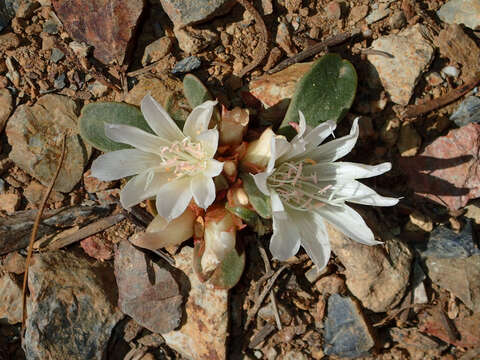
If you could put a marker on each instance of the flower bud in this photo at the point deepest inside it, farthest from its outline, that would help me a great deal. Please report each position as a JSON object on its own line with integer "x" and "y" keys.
{"x": 258, "y": 151}
{"x": 233, "y": 126}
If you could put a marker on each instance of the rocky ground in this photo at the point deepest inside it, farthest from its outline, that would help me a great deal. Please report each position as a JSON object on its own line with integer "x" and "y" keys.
{"x": 416, "y": 297}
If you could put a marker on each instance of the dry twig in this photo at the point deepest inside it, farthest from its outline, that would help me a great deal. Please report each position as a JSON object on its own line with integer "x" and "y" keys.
{"x": 262, "y": 48}
{"x": 35, "y": 229}
{"x": 261, "y": 335}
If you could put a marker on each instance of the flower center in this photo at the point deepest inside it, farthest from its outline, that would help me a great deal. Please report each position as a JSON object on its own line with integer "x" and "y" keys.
{"x": 184, "y": 157}
{"x": 295, "y": 188}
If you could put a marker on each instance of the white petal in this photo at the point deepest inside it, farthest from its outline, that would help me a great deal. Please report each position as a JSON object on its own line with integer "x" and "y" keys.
{"x": 173, "y": 198}
{"x": 141, "y": 187}
{"x": 345, "y": 170}
{"x": 209, "y": 141}
{"x": 349, "y": 222}
{"x": 261, "y": 182}
{"x": 203, "y": 190}
{"x": 159, "y": 120}
{"x": 314, "y": 237}
{"x": 122, "y": 163}
{"x": 356, "y": 192}
{"x": 214, "y": 168}
{"x": 135, "y": 137}
{"x": 285, "y": 240}
{"x": 198, "y": 120}
{"x": 337, "y": 148}
{"x": 277, "y": 205}
{"x": 278, "y": 147}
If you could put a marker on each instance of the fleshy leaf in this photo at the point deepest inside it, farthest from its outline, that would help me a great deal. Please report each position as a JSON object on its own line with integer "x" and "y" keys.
{"x": 94, "y": 116}
{"x": 194, "y": 90}
{"x": 250, "y": 217}
{"x": 259, "y": 201}
{"x": 177, "y": 107}
{"x": 326, "y": 92}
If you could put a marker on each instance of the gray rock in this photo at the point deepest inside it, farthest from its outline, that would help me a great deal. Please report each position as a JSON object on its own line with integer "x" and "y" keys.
{"x": 459, "y": 276}
{"x": 157, "y": 50}
{"x": 56, "y": 55}
{"x": 59, "y": 82}
{"x": 412, "y": 55}
{"x": 147, "y": 292}
{"x": 467, "y": 112}
{"x": 6, "y": 107}
{"x": 378, "y": 278}
{"x": 184, "y": 13}
{"x": 10, "y": 299}
{"x": 7, "y": 12}
{"x": 378, "y": 14}
{"x": 447, "y": 244}
{"x": 71, "y": 310}
{"x": 465, "y": 12}
{"x": 346, "y": 332}
{"x": 35, "y": 134}
{"x": 398, "y": 20}
{"x": 50, "y": 27}
{"x": 186, "y": 65}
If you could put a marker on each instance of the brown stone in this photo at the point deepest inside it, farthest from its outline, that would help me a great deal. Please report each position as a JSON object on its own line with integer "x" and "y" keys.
{"x": 10, "y": 299}
{"x": 9, "y": 41}
{"x": 157, "y": 50}
{"x": 147, "y": 292}
{"x": 97, "y": 247}
{"x": 92, "y": 184}
{"x": 6, "y": 107}
{"x": 14, "y": 263}
{"x": 9, "y": 202}
{"x": 35, "y": 192}
{"x": 107, "y": 25}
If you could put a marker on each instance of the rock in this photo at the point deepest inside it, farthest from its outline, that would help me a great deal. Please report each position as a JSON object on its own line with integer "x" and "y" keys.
{"x": 419, "y": 222}
{"x": 358, "y": 12}
{"x": 9, "y": 41}
{"x": 9, "y": 202}
{"x": 206, "y": 314}
{"x": 445, "y": 243}
{"x": 71, "y": 309}
{"x": 80, "y": 49}
{"x": 6, "y": 107}
{"x": 412, "y": 337}
{"x": 7, "y": 12}
{"x": 111, "y": 25}
{"x": 14, "y": 263}
{"x": 398, "y": 20}
{"x": 390, "y": 131}
{"x": 157, "y": 50}
{"x": 147, "y": 292}
{"x": 35, "y": 191}
{"x": 154, "y": 86}
{"x": 35, "y": 134}
{"x": 332, "y": 284}
{"x": 151, "y": 340}
{"x": 10, "y": 299}
{"x": 465, "y": 12}
{"x": 412, "y": 55}
{"x": 184, "y": 13}
{"x": 378, "y": 280}
{"x": 26, "y": 9}
{"x": 346, "y": 331}
{"x": 473, "y": 211}
{"x": 59, "y": 82}
{"x": 467, "y": 112}
{"x": 284, "y": 40}
{"x": 457, "y": 46}
{"x": 56, "y": 55}
{"x": 187, "y": 65}
{"x": 93, "y": 185}
{"x": 97, "y": 247}
{"x": 266, "y": 313}
{"x": 192, "y": 41}
{"x": 434, "y": 78}
{"x": 409, "y": 141}
{"x": 50, "y": 27}
{"x": 460, "y": 276}
{"x": 451, "y": 71}
{"x": 333, "y": 10}
{"x": 267, "y": 7}
{"x": 98, "y": 89}
{"x": 378, "y": 14}
{"x": 446, "y": 170}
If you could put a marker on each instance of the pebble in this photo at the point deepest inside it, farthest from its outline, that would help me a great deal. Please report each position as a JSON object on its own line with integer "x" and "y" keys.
{"x": 9, "y": 202}
{"x": 434, "y": 78}
{"x": 418, "y": 221}
{"x": 9, "y": 41}
{"x": 378, "y": 14}
{"x": 59, "y": 82}
{"x": 284, "y": 39}
{"x": 409, "y": 141}
{"x": 397, "y": 20}
{"x": 206, "y": 314}
{"x": 358, "y": 12}
{"x": 72, "y": 307}
{"x": 186, "y": 65}
{"x": 97, "y": 89}
{"x": 332, "y": 284}
{"x": 36, "y": 149}
{"x": 192, "y": 41}
{"x": 80, "y": 49}
{"x": 473, "y": 211}
{"x": 451, "y": 71}
{"x": 157, "y": 50}
{"x": 56, "y": 55}
{"x": 465, "y": 12}
{"x": 10, "y": 299}
{"x": 50, "y": 27}
{"x": 35, "y": 191}
{"x": 346, "y": 331}
{"x": 6, "y": 107}
{"x": 333, "y": 10}
{"x": 26, "y": 9}
{"x": 14, "y": 263}
{"x": 184, "y": 13}
{"x": 467, "y": 112}
{"x": 412, "y": 55}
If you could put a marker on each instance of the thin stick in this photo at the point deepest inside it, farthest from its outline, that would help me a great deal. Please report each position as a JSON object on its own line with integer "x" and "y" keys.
{"x": 417, "y": 110}
{"x": 398, "y": 311}
{"x": 87, "y": 231}
{"x": 143, "y": 70}
{"x": 314, "y": 50}
{"x": 35, "y": 230}
{"x": 262, "y": 48}
{"x": 262, "y": 296}
{"x": 273, "y": 300}
{"x": 377, "y": 52}
{"x": 261, "y": 335}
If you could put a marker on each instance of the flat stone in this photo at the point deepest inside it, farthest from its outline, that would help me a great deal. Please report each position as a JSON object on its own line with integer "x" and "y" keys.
{"x": 467, "y": 112}
{"x": 184, "y": 13}
{"x": 111, "y": 25}
{"x": 71, "y": 309}
{"x": 460, "y": 276}
{"x": 203, "y": 336}
{"x": 9, "y": 202}
{"x": 10, "y": 299}
{"x": 158, "y": 89}
{"x": 446, "y": 170}
{"x": 157, "y": 50}
{"x": 35, "y": 191}
{"x": 6, "y": 107}
{"x": 346, "y": 331}
{"x": 186, "y": 65}
{"x": 147, "y": 292}
{"x": 412, "y": 55}
{"x": 465, "y": 12}
{"x": 35, "y": 134}
{"x": 378, "y": 280}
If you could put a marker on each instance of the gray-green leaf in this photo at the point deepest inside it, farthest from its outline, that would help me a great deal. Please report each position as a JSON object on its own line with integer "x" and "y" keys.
{"x": 259, "y": 201}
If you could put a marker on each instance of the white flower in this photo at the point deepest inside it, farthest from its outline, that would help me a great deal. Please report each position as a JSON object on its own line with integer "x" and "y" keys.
{"x": 171, "y": 165}
{"x": 306, "y": 187}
